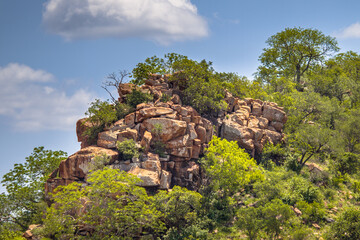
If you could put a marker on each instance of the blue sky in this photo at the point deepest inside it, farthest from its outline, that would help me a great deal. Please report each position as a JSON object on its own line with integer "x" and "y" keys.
{"x": 54, "y": 54}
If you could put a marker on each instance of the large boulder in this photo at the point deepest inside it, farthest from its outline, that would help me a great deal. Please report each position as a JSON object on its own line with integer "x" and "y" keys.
{"x": 77, "y": 165}
{"x": 167, "y": 128}
{"x": 148, "y": 178}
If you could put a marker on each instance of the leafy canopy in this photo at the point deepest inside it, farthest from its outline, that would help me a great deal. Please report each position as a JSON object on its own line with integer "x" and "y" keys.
{"x": 294, "y": 51}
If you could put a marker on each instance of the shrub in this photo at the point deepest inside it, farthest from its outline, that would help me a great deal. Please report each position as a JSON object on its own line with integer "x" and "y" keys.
{"x": 122, "y": 110}
{"x": 136, "y": 97}
{"x": 348, "y": 163}
{"x": 165, "y": 97}
{"x": 347, "y": 226}
{"x": 99, "y": 162}
{"x": 311, "y": 212}
{"x": 100, "y": 114}
{"x": 275, "y": 153}
{"x": 128, "y": 149}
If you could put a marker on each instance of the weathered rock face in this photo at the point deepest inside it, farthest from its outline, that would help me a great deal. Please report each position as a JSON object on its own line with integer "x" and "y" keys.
{"x": 180, "y": 130}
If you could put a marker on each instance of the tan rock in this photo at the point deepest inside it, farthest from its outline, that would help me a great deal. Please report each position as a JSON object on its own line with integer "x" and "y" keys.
{"x": 201, "y": 133}
{"x": 256, "y": 109}
{"x": 263, "y": 122}
{"x": 107, "y": 139}
{"x": 191, "y": 131}
{"x": 253, "y": 122}
{"x": 165, "y": 180}
{"x": 153, "y": 165}
{"x": 146, "y": 141}
{"x": 81, "y": 126}
{"x": 196, "y": 119}
{"x": 149, "y": 178}
{"x": 183, "y": 152}
{"x": 195, "y": 151}
{"x": 240, "y": 118}
{"x": 125, "y": 88}
{"x": 277, "y": 125}
{"x": 170, "y": 128}
{"x": 274, "y": 113}
{"x": 127, "y": 134}
{"x": 151, "y": 112}
{"x": 77, "y": 165}
{"x": 234, "y": 132}
{"x": 273, "y": 137}
{"x": 179, "y": 142}
{"x": 125, "y": 166}
{"x": 144, "y": 105}
{"x": 130, "y": 119}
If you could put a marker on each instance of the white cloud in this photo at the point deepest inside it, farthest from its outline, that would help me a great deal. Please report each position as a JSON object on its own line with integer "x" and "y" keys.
{"x": 163, "y": 21}
{"x": 32, "y": 105}
{"x": 352, "y": 31}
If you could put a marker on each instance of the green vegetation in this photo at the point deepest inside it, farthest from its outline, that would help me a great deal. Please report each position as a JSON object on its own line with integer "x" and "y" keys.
{"x": 128, "y": 149}
{"x": 308, "y": 187}
{"x": 24, "y": 203}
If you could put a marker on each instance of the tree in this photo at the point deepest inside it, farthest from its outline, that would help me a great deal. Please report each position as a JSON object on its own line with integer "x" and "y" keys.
{"x": 180, "y": 208}
{"x": 24, "y": 202}
{"x": 228, "y": 169}
{"x": 111, "y": 206}
{"x": 294, "y": 51}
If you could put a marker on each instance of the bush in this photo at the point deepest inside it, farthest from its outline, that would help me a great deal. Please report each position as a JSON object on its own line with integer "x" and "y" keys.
{"x": 100, "y": 114}
{"x": 136, "y": 97}
{"x": 273, "y": 153}
{"x": 99, "y": 162}
{"x": 311, "y": 212}
{"x": 128, "y": 149}
{"x": 348, "y": 163}
{"x": 347, "y": 226}
{"x": 122, "y": 110}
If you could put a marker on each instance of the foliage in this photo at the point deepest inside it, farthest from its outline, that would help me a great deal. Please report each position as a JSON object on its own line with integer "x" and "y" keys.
{"x": 100, "y": 114}
{"x": 122, "y": 109}
{"x": 311, "y": 212}
{"x": 294, "y": 51}
{"x": 228, "y": 167}
{"x": 155, "y": 65}
{"x": 112, "y": 206}
{"x": 228, "y": 170}
{"x": 99, "y": 162}
{"x": 180, "y": 209}
{"x": 136, "y": 97}
{"x": 347, "y": 226}
{"x": 128, "y": 149}
{"x": 270, "y": 218}
{"x": 347, "y": 163}
{"x": 24, "y": 202}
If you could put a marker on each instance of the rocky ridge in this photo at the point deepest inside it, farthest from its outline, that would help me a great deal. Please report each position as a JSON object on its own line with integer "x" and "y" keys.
{"x": 180, "y": 129}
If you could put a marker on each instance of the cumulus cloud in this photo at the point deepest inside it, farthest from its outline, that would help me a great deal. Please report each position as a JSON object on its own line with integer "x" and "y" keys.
{"x": 31, "y": 103}
{"x": 352, "y": 31}
{"x": 163, "y": 21}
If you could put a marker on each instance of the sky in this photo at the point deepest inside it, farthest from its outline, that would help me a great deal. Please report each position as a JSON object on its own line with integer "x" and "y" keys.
{"x": 55, "y": 54}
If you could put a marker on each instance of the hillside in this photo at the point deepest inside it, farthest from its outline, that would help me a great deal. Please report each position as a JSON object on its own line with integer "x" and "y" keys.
{"x": 185, "y": 152}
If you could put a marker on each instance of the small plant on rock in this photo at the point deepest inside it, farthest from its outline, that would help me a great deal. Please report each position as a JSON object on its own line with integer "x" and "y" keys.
{"x": 128, "y": 149}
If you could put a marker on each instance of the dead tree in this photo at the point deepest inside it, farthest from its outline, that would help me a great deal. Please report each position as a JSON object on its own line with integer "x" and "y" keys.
{"x": 115, "y": 80}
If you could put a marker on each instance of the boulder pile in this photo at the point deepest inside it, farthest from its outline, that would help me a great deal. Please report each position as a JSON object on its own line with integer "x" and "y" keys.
{"x": 178, "y": 131}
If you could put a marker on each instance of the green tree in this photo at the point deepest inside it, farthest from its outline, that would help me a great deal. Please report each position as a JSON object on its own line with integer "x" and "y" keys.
{"x": 111, "y": 206}
{"x": 180, "y": 208}
{"x": 294, "y": 51}
{"x": 228, "y": 169}
{"x": 24, "y": 202}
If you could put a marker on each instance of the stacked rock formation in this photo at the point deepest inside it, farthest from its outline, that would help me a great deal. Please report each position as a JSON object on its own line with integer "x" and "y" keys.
{"x": 183, "y": 133}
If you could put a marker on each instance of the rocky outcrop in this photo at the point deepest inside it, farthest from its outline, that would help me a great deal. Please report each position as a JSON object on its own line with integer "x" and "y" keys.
{"x": 176, "y": 132}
